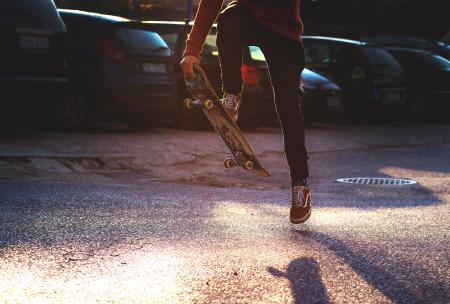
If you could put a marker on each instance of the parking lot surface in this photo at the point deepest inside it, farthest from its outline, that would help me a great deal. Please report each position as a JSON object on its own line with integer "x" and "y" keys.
{"x": 154, "y": 217}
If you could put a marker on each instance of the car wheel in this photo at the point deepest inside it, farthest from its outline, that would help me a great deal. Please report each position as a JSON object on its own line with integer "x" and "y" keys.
{"x": 74, "y": 112}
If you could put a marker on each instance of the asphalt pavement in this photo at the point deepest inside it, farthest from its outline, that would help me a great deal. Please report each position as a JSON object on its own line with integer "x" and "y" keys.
{"x": 129, "y": 239}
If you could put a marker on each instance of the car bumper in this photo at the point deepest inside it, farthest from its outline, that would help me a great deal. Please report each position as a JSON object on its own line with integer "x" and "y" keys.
{"x": 390, "y": 97}
{"x": 126, "y": 104}
{"x": 33, "y": 92}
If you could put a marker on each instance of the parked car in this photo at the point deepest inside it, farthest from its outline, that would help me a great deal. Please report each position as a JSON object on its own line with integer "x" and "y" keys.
{"x": 437, "y": 47}
{"x": 119, "y": 70}
{"x": 319, "y": 98}
{"x": 322, "y": 98}
{"x": 32, "y": 58}
{"x": 257, "y": 106}
{"x": 428, "y": 79}
{"x": 370, "y": 78}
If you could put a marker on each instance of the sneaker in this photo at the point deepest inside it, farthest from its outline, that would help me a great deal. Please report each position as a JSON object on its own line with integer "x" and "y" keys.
{"x": 301, "y": 204}
{"x": 232, "y": 102}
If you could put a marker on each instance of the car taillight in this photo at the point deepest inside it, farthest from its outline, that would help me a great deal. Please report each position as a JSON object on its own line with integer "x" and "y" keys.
{"x": 110, "y": 48}
{"x": 250, "y": 74}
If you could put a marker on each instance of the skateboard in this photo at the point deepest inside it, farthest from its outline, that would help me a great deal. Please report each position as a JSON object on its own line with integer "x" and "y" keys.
{"x": 205, "y": 98}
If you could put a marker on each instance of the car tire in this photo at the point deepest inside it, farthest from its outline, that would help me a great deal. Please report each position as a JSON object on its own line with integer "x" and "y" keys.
{"x": 74, "y": 112}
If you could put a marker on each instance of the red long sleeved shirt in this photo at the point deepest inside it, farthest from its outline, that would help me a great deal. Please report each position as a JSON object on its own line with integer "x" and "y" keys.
{"x": 279, "y": 16}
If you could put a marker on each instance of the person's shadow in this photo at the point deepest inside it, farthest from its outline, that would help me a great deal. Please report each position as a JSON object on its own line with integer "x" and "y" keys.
{"x": 306, "y": 283}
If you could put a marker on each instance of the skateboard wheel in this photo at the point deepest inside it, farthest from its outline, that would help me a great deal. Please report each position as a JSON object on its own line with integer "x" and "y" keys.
{"x": 248, "y": 165}
{"x": 208, "y": 104}
{"x": 228, "y": 163}
{"x": 188, "y": 103}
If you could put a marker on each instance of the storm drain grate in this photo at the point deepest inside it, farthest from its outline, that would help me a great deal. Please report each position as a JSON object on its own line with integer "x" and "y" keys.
{"x": 377, "y": 181}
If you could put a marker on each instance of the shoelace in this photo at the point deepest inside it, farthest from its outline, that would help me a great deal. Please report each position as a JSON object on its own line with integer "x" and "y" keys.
{"x": 297, "y": 197}
{"x": 231, "y": 102}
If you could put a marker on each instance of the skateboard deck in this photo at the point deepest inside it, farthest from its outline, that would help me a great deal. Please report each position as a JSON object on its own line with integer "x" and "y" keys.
{"x": 205, "y": 98}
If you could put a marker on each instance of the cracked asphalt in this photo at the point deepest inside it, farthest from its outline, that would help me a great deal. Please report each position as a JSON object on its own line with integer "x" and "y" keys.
{"x": 187, "y": 230}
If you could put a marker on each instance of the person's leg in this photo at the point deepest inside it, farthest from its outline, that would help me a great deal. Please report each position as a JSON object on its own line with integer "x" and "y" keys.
{"x": 285, "y": 59}
{"x": 236, "y": 28}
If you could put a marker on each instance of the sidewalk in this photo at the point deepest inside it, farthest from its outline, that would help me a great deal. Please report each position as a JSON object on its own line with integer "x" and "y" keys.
{"x": 179, "y": 156}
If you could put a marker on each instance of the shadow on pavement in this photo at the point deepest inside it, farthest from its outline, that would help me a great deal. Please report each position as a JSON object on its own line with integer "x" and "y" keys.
{"x": 391, "y": 279}
{"x": 306, "y": 283}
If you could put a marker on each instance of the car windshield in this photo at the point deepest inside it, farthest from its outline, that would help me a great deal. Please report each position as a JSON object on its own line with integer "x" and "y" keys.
{"x": 23, "y": 13}
{"x": 170, "y": 39}
{"x": 379, "y": 57}
{"x": 141, "y": 39}
{"x": 436, "y": 62}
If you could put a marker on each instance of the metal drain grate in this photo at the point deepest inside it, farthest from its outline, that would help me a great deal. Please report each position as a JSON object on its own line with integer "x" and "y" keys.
{"x": 377, "y": 181}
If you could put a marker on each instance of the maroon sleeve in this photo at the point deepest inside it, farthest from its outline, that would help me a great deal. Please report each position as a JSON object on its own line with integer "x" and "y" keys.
{"x": 207, "y": 12}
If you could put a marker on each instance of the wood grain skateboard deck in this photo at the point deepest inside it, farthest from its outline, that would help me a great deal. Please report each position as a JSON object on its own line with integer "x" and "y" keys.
{"x": 205, "y": 98}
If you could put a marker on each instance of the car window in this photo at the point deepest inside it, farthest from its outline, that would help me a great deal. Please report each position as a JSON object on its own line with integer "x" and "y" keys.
{"x": 256, "y": 54}
{"x": 35, "y": 13}
{"x": 408, "y": 62}
{"x": 379, "y": 57}
{"x": 319, "y": 55}
{"x": 381, "y": 61}
{"x": 141, "y": 39}
{"x": 170, "y": 39}
{"x": 436, "y": 62}
{"x": 210, "y": 47}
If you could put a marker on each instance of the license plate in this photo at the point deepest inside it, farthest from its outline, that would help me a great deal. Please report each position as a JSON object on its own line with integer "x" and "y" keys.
{"x": 333, "y": 101}
{"x": 34, "y": 42}
{"x": 394, "y": 98}
{"x": 153, "y": 68}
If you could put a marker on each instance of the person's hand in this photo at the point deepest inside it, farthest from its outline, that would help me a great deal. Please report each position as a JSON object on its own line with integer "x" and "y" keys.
{"x": 187, "y": 64}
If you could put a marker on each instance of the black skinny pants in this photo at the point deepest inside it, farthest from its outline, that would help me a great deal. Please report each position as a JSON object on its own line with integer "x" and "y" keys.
{"x": 238, "y": 28}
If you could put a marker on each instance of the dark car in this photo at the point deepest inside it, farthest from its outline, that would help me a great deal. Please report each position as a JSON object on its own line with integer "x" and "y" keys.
{"x": 119, "y": 70}
{"x": 320, "y": 98}
{"x": 371, "y": 79}
{"x": 428, "y": 78}
{"x": 437, "y": 47}
{"x": 32, "y": 58}
{"x": 257, "y": 106}
{"x": 323, "y": 98}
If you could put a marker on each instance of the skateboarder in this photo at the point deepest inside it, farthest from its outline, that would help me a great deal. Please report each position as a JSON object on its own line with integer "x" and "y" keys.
{"x": 275, "y": 27}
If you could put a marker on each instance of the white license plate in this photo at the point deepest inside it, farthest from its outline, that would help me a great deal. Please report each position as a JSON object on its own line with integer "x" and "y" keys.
{"x": 153, "y": 68}
{"x": 34, "y": 42}
{"x": 333, "y": 101}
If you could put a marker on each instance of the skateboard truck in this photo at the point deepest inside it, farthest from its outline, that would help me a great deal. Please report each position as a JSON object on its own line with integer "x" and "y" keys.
{"x": 206, "y": 99}
{"x": 207, "y": 104}
{"x": 232, "y": 162}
